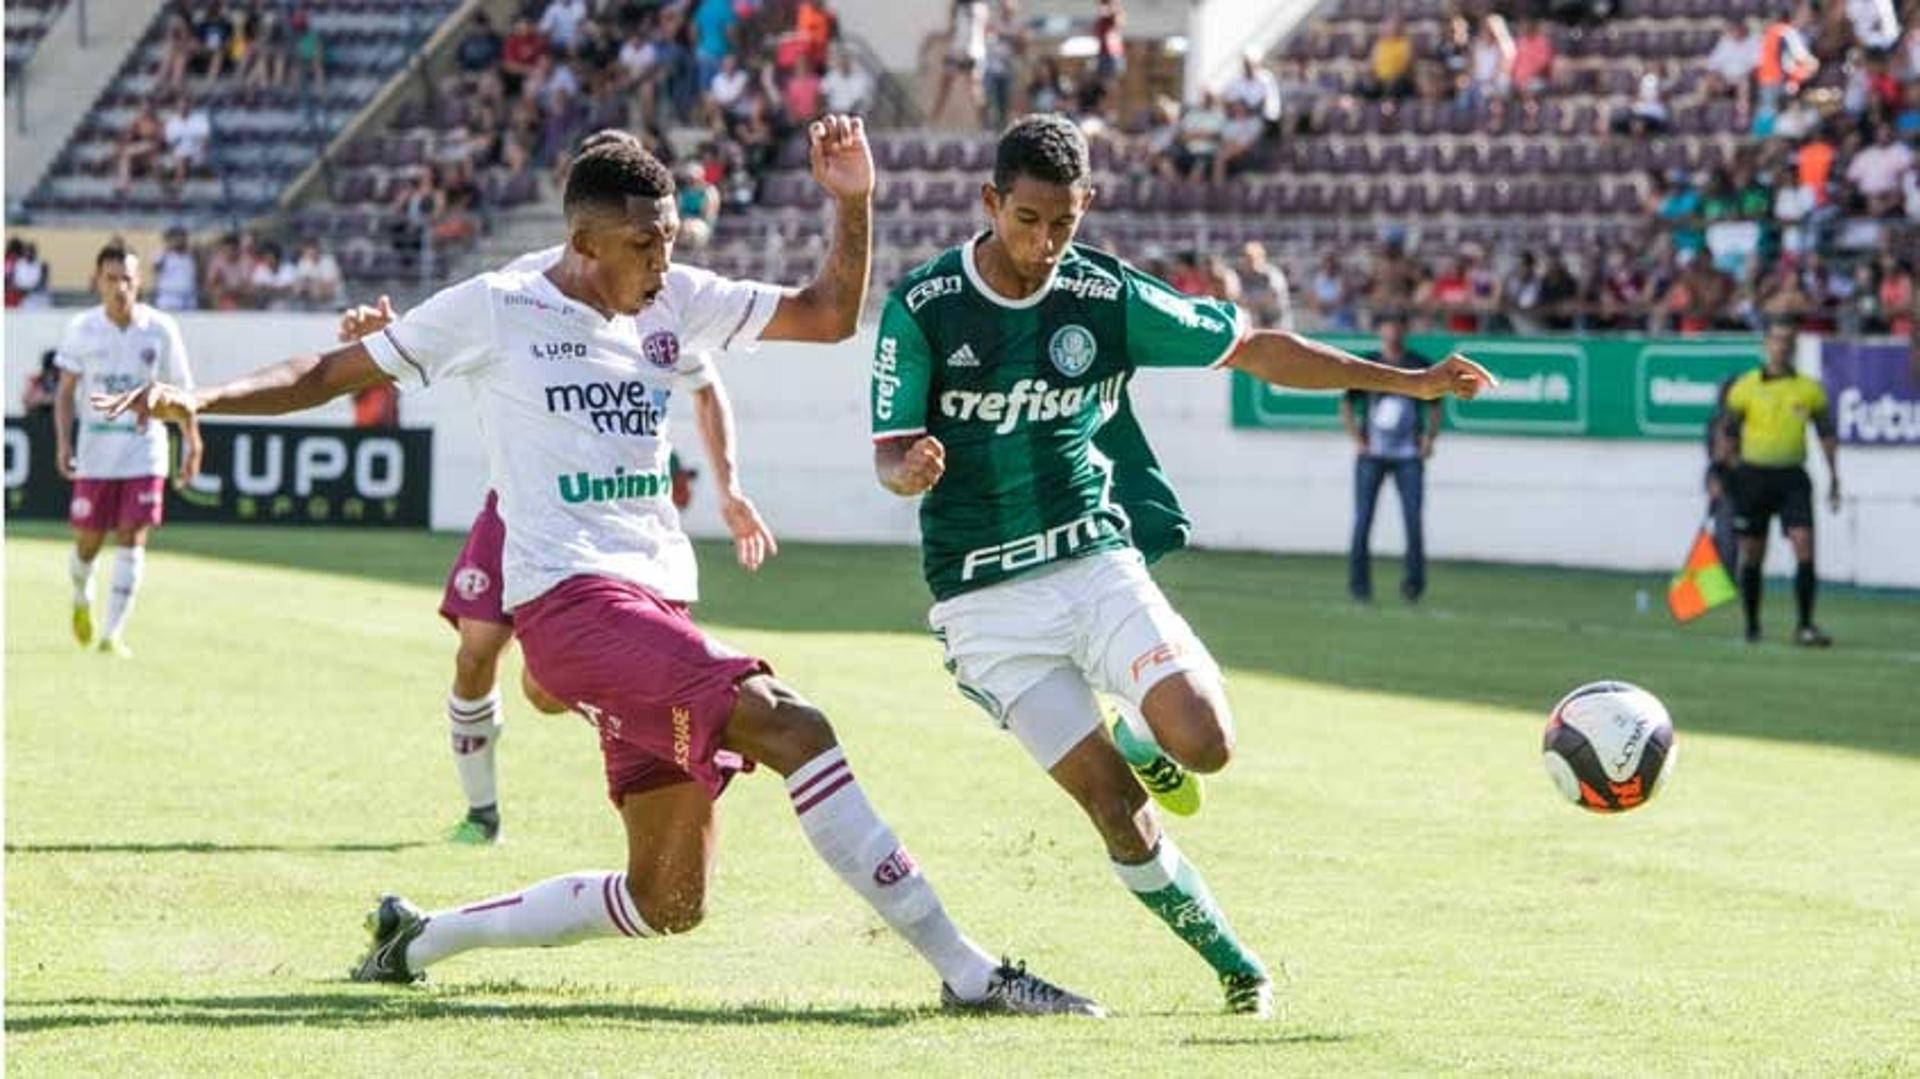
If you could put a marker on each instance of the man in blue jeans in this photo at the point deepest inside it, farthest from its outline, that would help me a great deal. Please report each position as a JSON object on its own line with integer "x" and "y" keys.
{"x": 1395, "y": 437}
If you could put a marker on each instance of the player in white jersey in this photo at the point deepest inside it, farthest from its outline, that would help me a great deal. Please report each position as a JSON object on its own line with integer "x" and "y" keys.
{"x": 570, "y": 370}
{"x": 119, "y": 474}
{"x": 472, "y": 600}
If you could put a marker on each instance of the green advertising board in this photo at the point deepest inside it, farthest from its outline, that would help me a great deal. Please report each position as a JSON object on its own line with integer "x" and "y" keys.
{"x": 1549, "y": 386}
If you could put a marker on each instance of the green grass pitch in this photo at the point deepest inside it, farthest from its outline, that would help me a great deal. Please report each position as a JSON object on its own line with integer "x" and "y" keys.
{"x": 192, "y": 836}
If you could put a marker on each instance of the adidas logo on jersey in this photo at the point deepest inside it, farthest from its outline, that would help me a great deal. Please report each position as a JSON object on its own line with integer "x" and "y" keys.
{"x": 963, "y": 357}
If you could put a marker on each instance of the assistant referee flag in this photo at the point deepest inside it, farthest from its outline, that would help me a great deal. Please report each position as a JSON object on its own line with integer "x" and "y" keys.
{"x": 1702, "y": 584}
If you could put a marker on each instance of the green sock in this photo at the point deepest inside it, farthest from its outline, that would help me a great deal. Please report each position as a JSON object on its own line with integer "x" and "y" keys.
{"x": 1139, "y": 750}
{"x": 1171, "y": 887}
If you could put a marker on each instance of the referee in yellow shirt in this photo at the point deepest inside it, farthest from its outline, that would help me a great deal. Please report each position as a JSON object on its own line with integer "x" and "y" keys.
{"x": 1768, "y": 411}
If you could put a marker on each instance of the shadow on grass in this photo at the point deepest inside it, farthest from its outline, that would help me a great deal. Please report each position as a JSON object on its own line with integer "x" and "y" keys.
{"x": 1510, "y": 637}
{"x": 1298, "y": 1037}
{"x": 353, "y": 1008}
{"x": 203, "y": 847}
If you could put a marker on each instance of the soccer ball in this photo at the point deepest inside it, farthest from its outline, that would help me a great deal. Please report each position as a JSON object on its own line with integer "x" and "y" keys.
{"x": 1608, "y": 746}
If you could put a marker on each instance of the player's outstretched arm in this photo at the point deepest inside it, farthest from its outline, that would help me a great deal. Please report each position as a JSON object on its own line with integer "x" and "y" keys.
{"x": 828, "y": 309}
{"x": 298, "y": 384}
{"x": 910, "y": 465}
{"x": 753, "y": 541}
{"x": 1288, "y": 359}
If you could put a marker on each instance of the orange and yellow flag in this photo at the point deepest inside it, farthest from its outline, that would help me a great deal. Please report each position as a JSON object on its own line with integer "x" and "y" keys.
{"x": 1702, "y": 584}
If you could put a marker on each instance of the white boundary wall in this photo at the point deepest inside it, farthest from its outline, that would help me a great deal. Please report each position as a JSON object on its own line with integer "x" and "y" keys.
{"x": 806, "y": 459}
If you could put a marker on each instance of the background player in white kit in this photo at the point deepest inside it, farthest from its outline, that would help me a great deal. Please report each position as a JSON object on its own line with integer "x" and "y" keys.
{"x": 471, "y": 601}
{"x": 119, "y": 473}
{"x": 571, "y": 370}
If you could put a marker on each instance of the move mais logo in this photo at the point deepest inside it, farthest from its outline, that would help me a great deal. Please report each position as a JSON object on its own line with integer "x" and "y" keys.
{"x": 897, "y": 867}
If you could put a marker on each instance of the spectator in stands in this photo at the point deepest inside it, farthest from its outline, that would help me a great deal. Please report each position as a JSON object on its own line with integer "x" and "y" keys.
{"x": 1049, "y": 90}
{"x": 1241, "y": 139}
{"x": 1197, "y": 140}
{"x": 521, "y": 56}
{"x": 1393, "y": 435}
{"x": 1647, "y": 113}
{"x": 1906, "y": 121}
{"x": 699, "y": 204}
{"x": 213, "y": 30}
{"x": 1255, "y": 89}
{"x": 965, "y": 58}
{"x": 1395, "y": 276}
{"x": 1491, "y": 68}
{"x": 271, "y": 285}
{"x": 848, "y": 90}
{"x": 1785, "y": 62}
{"x": 1330, "y": 295}
{"x": 15, "y": 248}
{"x": 727, "y": 92}
{"x": 481, "y": 47}
{"x": 317, "y": 284}
{"x": 176, "y": 274}
{"x": 1263, "y": 287}
{"x": 814, "y": 27}
{"x": 36, "y": 400}
{"x": 1702, "y": 299}
{"x": 800, "y": 96}
{"x": 141, "y": 145}
{"x": 1450, "y": 295}
{"x": 1878, "y": 174}
{"x": 180, "y": 51}
{"x": 228, "y": 275}
{"x": 309, "y": 49}
{"x": 1522, "y": 290}
{"x": 1876, "y": 26}
{"x": 1533, "y": 58}
{"x": 1620, "y": 294}
{"x": 31, "y": 279}
{"x": 1732, "y": 63}
{"x": 187, "y": 132}
{"x": 560, "y": 23}
{"x": 1006, "y": 46}
{"x": 270, "y": 57}
{"x": 1390, "y": 65}
{"x": 1896, "y": 293}
{"x": 1559, "y": 293}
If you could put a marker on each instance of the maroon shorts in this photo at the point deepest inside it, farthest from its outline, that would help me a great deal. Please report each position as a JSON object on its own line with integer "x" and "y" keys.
{"x": 658, "y": 689}
{"x": 473, "y": 585}
{"x": 112, "y": 505}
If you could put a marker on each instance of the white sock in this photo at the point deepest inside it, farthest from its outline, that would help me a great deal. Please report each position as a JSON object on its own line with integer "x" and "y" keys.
{"x": 856, "y": 844}
{"x": 128, "y": 565}
{"x": 81, "y": 573}
{"x": 555, "y": 912}
{"x": 475, "y": 727}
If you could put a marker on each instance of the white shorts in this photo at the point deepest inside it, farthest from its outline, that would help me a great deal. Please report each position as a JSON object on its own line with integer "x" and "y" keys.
{"x": 1101, "y": 616}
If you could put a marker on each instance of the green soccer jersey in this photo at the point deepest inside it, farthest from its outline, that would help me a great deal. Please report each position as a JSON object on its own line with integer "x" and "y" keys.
{"x": 1044, "y": 459}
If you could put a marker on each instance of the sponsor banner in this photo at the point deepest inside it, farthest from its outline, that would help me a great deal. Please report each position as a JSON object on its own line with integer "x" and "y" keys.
{"x": 259, "y": 474}
{"x": 1570, "y": 387}
{"x": 1874, "y": 391}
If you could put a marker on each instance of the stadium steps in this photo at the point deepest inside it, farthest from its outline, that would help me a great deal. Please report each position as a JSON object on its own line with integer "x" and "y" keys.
{"x": 63, "y": 80}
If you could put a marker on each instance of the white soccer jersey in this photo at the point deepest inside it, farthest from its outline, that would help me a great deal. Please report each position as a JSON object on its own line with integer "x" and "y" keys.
{"x": 110, "y": 360}
{"x": 573, "y": 410}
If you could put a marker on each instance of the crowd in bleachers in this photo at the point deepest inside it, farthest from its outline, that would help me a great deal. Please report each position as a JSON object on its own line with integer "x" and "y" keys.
{"x": 520, "y": 97}
{"x": 27, "y": 23}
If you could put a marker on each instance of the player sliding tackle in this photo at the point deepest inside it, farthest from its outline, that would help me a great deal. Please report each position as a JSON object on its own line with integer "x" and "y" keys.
{"x": 570, "y": 367}
{"x": 999, "y": 393}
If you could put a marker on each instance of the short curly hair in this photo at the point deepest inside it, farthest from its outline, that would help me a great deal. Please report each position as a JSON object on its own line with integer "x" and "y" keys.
{"x": 1043, "y": 146}
{"x": 611, "y": 168}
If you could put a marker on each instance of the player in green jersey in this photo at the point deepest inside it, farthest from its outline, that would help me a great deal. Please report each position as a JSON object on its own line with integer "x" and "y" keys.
{"x": 999, "y": 393}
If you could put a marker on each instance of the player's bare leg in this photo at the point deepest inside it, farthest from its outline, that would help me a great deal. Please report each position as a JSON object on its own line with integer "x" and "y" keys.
{"x": 1182, "y": 729}
{"x": 670, "y": 843}
{"x": 474, "y": 723}
{"x": 86, "y": 547}
{"x": 1095, "y": 774}
{"x": 129, "y": 566}
{"x": 773, "y": 725}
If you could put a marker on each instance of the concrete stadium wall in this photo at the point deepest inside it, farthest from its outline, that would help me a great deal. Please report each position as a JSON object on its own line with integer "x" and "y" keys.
{"x": 806, "y": 459}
